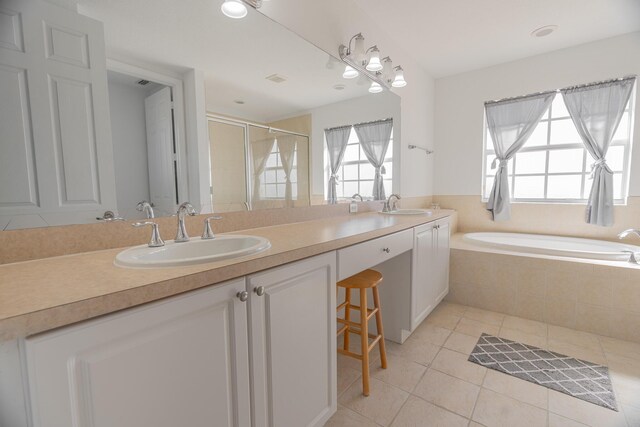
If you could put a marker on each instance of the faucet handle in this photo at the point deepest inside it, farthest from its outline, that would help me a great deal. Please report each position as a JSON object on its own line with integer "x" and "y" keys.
{"x": 109, "y": 216}
{"x": 207, "y": 233}
{"x": 156, "y": 241}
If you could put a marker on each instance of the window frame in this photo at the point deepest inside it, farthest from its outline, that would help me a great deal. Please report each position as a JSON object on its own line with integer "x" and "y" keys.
{"x": 548, "y": 148}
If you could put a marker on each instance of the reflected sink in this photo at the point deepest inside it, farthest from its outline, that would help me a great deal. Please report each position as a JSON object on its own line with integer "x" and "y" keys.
{"x": 195, "y": 251}
{"x": 408, "y": 212}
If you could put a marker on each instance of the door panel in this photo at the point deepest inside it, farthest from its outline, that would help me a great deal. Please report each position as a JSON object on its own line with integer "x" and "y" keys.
{"x": 423, "y": 280}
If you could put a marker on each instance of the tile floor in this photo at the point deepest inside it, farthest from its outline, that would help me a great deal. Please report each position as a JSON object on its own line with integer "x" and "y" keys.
{"x": 429, "y": 381}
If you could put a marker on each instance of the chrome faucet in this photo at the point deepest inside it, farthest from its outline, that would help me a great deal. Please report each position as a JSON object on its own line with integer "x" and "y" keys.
{"x": 388, "y": 206}
{"x": 356, "y": 196}
{"x": 183, "y": 209}
{"x": 147, "y": 208}
{"x": 155, "y": 241}
{"x": 632, "y": 255}
{"x": 207, "y": 233}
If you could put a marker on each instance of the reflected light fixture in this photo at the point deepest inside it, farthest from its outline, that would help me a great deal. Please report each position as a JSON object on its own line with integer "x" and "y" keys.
{"x": 237, "y": 9}
{"x": 367, "y": 63}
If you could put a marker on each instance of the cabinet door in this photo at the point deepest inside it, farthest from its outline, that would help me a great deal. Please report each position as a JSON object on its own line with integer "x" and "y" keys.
{"x": 441, "y": 267}
{"x": 423, "y": 275}
{"x": 293, "y": 343}
{"x": 179, "y": 362}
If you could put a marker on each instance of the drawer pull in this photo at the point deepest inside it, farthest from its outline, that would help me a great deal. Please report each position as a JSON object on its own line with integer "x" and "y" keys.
{"x": 243, "y": 296}
{"x": 387, "y": 250}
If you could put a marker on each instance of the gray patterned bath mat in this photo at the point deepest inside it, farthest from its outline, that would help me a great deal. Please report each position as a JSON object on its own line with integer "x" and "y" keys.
{"x": 578, "y": 378}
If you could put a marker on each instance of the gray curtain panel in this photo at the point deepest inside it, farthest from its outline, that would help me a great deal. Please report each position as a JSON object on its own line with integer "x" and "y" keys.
{"x": 511, "y": 123}
{"x": 337, "y": 139}
{"x": 287, "y": 148}
{"x": 374, "y": 139}
{"x": 260, "y": 151}
{"x": 596, "y": 111}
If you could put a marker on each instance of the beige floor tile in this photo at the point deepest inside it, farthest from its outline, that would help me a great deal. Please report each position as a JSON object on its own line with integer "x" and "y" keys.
{"x": 581, "y": 353}
{"x": 516, "y": 388}
{"x": 584, "y": 412}
{"x": 475, "y": 424}
{"x": 345, "y": 417}
{"x": 476, "y": 328}
{"x": 556, "y": 420}
{"x": 442, "y": 319}
{"x": 451, "y": 308}
{"x": 418, "y": 413}
{"x": 431, "y": 333}
{"x": 456, "y": 364}
{"x": 382, "y": 404}
{"x": 620, "y": 347}
{"x": 632, "y": 414}
{"x": 400, "y": 372}
{"x": 421, "y": 352}
{"x": 625, "y": 376}
{"x": 484, "y": 316}
{"x": 346, "y": 377}
{"x": 449, "y": 392}
{"x": 573, "y": 337}
{"x": 523, "y": 337}
{"x": 460, "y": 342}
{"x": 493, "y": 409}
{"x": 525, "y": 325}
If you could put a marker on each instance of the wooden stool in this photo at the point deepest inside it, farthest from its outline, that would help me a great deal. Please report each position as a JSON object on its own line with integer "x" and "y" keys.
{"x": 362, "y": 281}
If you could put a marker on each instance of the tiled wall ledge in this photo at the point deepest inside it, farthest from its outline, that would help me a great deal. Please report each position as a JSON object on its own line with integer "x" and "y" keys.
{"x": 541, "y": 218}
{"x": 36, "y": 243}
{"x": 600, "y": 297}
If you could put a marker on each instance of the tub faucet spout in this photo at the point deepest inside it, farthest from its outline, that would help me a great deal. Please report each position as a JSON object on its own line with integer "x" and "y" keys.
{"x": 625, "y": 233}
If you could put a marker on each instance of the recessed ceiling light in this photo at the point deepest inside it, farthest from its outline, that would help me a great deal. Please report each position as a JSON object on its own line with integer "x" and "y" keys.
{"x": 339, "y": 87}
{"x": 544, "y": 31}
{"x": 238, "y": 101}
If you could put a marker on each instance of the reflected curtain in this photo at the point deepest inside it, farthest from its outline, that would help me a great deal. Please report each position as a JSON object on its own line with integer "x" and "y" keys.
{"x": 337, "y": 139}
{"x": 260, "y": 151}
{"x": 510, "y": 123}
{"x": 596, "y": 111}
{"x": 287, "y": 148}
{"x": 374, "y": 139}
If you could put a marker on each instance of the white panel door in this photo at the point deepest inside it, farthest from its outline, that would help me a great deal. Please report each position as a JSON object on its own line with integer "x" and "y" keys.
{"x": 54, "y": 114}
{"x": 293, "y": 343}
{"x": 441, "y": 288}
{"x": 179, "y": 362}
{"x": 423, "y": 276}
{"x": 160, "y": 152}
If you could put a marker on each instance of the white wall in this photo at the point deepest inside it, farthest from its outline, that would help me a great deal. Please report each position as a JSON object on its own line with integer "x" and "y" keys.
{"x": 126, "y": 104}
{"x": 459, "y": 114}
{"x": 328, "y": 24}
{"x": 357, "y": 110}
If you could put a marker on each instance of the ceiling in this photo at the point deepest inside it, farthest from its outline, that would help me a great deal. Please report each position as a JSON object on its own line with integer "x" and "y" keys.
{"x": 235, "y": 55}
{"x": 449, "y": 37}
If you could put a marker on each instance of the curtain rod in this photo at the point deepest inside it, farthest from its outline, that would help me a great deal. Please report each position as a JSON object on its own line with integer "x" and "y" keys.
{"x": 360, "y": 124}
{"x": 531, "y": 95}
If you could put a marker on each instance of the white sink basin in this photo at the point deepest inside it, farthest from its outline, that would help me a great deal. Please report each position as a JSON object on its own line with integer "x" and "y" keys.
{"x": 196, "y": 251}
{"x": 408, "y": 212}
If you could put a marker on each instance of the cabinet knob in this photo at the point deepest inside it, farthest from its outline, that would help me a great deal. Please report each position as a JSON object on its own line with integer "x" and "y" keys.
{"x": 387, "y": 250}
{"x": 243, "y": 296}
{"x": 259, "y": 290}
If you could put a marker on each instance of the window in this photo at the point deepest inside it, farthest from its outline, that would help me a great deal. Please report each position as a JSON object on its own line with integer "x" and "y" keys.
{"x": 554, "y": 166}
{"x": 273, "y": 182}
{"x": 357, "y": 174}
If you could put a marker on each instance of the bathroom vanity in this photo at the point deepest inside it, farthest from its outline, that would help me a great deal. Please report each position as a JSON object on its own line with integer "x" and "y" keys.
{"x": 258, "y": 349}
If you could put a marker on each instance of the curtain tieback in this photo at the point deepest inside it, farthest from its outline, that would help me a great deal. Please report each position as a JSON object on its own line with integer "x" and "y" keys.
{"x": 383, "y": 170}
{"x": 335, "y": 177}
{"x": 599, "y": 164}
{"x": 503, "y": 162}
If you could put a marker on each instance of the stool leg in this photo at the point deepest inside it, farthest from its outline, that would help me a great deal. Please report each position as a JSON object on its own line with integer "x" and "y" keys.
{"x": 381, "y": 344}
{"x": 347, "y": 317}
{"x": 364, "y": 340}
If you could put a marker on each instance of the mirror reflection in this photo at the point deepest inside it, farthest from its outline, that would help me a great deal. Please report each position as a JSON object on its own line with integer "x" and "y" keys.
{"x": 126, "y": 109}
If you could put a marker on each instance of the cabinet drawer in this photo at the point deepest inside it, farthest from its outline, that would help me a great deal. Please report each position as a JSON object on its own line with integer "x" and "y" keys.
{"x": 365, "y": 255}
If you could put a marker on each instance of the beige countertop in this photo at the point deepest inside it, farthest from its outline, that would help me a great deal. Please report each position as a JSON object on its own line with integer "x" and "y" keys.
{"x": 44, "y": 294}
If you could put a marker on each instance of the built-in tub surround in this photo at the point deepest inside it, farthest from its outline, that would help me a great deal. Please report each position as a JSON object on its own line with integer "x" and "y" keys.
{"x": 36, "y": 243}
{"x": 40, "y": 295}
{"x": 597, "y": 296}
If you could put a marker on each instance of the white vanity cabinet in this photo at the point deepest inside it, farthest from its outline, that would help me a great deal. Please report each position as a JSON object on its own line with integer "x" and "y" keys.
{"x": 430, "y": 268}
{"x": 293, "y": 346}
{"x": 180, "y": 361}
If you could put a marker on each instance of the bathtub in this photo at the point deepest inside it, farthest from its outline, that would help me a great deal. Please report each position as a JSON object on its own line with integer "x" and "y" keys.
{"x": 554, "y": 245}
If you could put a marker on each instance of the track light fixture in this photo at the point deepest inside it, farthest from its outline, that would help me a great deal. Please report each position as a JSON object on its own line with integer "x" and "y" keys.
{"x": 368, "y": 62}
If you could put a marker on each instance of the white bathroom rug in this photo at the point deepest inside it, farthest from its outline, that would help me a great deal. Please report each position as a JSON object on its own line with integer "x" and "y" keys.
{"x": 578, "y": 378}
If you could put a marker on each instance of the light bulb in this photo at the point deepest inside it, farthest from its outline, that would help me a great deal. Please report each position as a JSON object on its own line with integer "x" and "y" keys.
{"x": 399, "y": 81}
{"x": 350, "y": 72}
{"x": 375, "y": 88}
{"x": 374, "y": 60}
{"x": 235, "y": 9}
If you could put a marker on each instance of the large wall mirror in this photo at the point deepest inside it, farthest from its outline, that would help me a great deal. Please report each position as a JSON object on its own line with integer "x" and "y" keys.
{"x": 106, "y": 104}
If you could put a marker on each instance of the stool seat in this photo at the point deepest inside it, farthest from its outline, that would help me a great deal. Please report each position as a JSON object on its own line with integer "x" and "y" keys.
{"x": 364, "y": 280}
{"x": 367, "y": 279}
